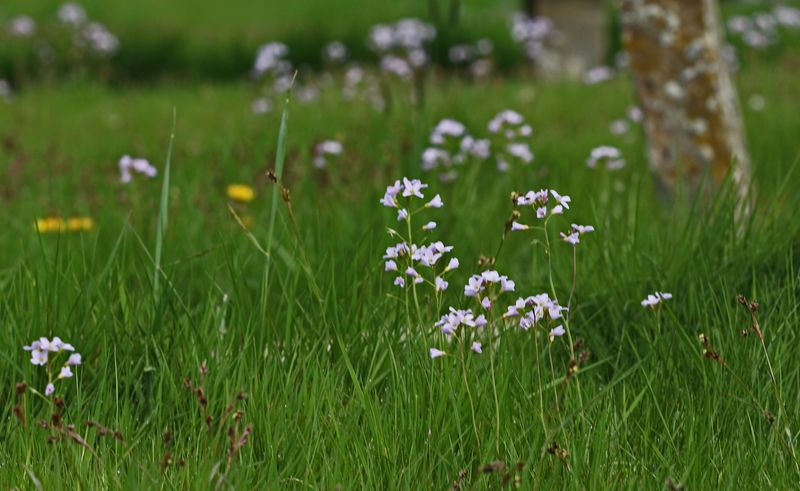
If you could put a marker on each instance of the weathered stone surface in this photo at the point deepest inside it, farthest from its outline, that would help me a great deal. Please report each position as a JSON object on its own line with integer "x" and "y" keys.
{"x": 692, "y": 117}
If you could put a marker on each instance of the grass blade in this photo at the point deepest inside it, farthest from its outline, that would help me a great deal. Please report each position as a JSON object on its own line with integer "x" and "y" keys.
{"x": 161, "y": 226}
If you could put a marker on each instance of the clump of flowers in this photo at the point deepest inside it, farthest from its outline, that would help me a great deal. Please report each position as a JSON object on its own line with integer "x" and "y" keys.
{"x": 21, "y": 26}
{"x": 475, "y": 59}
{"x": 605, "y": 155}
{"x": 50, "y": 354}
{"x": 72, "y": 14}
{"x": 536, "y": 310}
{"x": 96, "y": 37}
{"x": 536, "y": 35}
{"x": 512, "y": 135}
{"x": 416, "y": 264}
{"x": 334, "y": 53}
{"x": 361, "y": 84}
{"x": 402, "y": 45}
{"x": 58, "y": 224}
{"x": 325, "y": 150}
{"x": 128, "y": 165}
{"x": 762, "y": 29}
{"x": 452, "y": 146}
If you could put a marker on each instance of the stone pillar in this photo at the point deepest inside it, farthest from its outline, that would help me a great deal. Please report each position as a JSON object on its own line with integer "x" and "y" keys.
{"x": 692, "y": 118}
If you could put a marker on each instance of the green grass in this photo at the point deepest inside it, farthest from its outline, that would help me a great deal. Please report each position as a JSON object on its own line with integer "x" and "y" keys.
{"x": 340, "y": 389}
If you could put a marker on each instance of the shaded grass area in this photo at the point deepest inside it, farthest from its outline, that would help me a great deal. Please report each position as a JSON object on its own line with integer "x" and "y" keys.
{"x": 340, "y": 387}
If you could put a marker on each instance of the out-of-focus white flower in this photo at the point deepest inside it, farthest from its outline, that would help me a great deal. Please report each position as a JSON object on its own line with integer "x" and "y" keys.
{"x": 335, "y": 52}
{"x": 323, "y": 150}
{"x": 271, "y": 58}
{"x": 608, "y": 155}
{"x": 72, "y": 14}
{"x": 96, "y": 37}
{"x": 22, "y": 26}
{"x": 261, "y": 106}
{"x": 597, "y": 75}
{"x": 139, "y": 165}
{"x": 435, "y": 353}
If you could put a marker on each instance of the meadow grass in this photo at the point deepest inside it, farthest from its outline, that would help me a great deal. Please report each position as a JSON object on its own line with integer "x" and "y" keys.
{"x": 340, "y": 388}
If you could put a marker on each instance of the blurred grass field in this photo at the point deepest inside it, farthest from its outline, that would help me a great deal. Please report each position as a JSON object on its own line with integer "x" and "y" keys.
{"x": 341, "y": 392}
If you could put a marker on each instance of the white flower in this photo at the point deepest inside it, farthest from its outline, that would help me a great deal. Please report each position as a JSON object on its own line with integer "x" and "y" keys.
{"x": 65, "y": 372}
{"x": 453, "y": 264}
{"x": 561, "y": 200}
{"x": 476, "y": 347}
{"x": 436, "y": 202}
{"x": 654, "y": 299}
{"x": 611, "y": 156}
{"x": 572, "y": 238}
{"x": 391, "y": 266}
{"x": 516, "y": 226}
{"x": 435, "y": 353}
{"x": 557, "y": 332}
{"x": 441, "y": 284}
{"x": 429, "y": 226}
{"x": 413, "y": 187}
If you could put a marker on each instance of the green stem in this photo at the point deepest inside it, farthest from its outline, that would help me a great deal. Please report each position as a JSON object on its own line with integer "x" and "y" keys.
{"x": 469, "y": 392}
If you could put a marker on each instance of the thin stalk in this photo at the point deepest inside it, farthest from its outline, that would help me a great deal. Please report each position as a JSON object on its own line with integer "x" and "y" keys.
{"x": 494, "y": 386}
{"x": 469, "y": 392}
{"x": 566, "y": 317}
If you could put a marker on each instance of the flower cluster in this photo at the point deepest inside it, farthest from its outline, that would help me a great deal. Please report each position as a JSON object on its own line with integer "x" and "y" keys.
{"x": 573, "y": 235}
{"x": 513, "y": 134}
{"x": 58, "y": 224}
{"x": 452, "y": 321}
{"x": 72, "y": 14}
{"x": 414, "y": 257}
{"x": 361, "y": 84}
{"x": 606, "y": 155}
{"x": 451, "y": 146}
{"x": 271, "y": 60}
{"x": 485, "y": 289}
{"x": 21, "y": 26}
{"x": 477, "y": 284}
{"x": 539, "y": 201}
{"x": 44, "y": 351}
{"x": 402, "y": 45}
{"x": 761, "y": 30}
{"x": 474, "y": 58}
{"x": 141, "y": 166}
{"x": 535, "y": 34}
{"x": 324, "y": 149}
{"x": 535, "y": 309}
{"x": 654, "y": 299}
{"x": 96, "y": 37}
{"x": 334, "y": 53}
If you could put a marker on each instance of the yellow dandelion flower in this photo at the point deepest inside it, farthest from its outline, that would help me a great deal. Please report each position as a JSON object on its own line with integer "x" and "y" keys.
{"x": 77, "y": 224}
{"x": 241, "y": 192}
{"x": 49, "y": 224}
